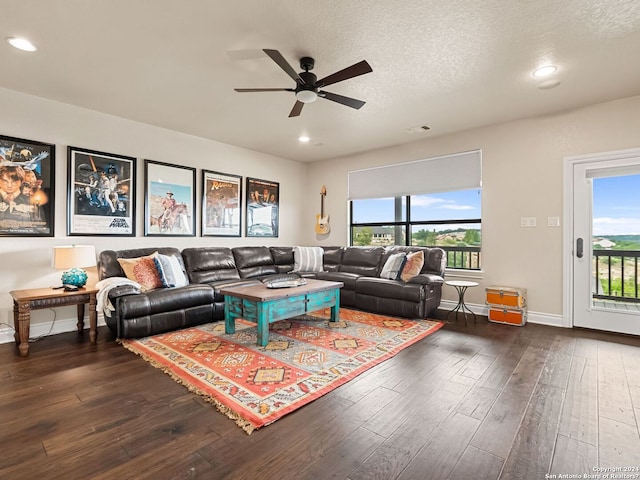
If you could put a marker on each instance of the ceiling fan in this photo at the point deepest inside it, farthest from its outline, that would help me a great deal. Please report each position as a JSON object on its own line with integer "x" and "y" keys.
{"x": 308, "y": 87}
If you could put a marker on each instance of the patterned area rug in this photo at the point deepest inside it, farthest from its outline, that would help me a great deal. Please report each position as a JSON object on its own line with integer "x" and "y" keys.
{"x": 306, "y": 357}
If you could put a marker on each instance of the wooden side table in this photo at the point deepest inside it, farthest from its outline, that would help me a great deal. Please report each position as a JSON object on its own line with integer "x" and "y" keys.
{"x": 34, "y": 299}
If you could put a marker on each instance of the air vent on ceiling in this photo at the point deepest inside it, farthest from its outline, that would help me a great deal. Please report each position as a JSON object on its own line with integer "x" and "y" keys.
{"x": 419, "y": 129}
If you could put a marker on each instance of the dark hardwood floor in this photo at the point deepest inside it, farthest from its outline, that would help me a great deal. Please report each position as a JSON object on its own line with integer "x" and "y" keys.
{"x": 485, "y": 401}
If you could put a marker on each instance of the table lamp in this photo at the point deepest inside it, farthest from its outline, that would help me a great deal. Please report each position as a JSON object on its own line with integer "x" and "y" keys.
{"x": 72, "y": 258}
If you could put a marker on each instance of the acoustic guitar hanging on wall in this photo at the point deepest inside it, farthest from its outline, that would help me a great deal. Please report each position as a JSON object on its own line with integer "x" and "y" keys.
{"x": 322, "y": 220}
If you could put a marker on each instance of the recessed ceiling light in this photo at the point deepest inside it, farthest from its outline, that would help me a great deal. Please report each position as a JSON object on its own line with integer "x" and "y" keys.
{"x": 545, "y": 71}
{"x": 21, "y": 44}
{"x": 303, "y": 139}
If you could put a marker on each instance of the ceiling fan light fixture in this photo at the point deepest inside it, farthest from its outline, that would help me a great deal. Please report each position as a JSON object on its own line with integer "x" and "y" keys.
{"x": 306, "y": 96}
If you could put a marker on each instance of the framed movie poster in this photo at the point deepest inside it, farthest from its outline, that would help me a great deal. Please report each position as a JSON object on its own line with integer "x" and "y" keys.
{"x": 221, "y": 194}
{"x": 170, "y": 200}
{"x": 102, "y": 193}
{"x": 262, "y": 199}
{"x": 27, "y": 184}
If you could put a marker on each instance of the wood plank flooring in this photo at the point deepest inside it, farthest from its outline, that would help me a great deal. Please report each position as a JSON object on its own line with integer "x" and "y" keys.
{"x": 484, "y": 401}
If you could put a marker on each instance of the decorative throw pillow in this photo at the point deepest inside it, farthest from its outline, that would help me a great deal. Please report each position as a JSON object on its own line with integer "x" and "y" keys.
{"x": 393, "y": 266}
{"x": 307, "y": 259}
{"x": 170, "y": 271}
{"x": 413, "y": 265}
{"x": 142, "y": 270}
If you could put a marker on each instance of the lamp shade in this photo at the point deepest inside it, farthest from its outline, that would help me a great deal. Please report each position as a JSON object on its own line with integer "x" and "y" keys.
{"x": 74, "y": 256}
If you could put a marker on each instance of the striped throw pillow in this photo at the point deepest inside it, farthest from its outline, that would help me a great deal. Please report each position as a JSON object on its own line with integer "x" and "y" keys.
{"x": 307, "y": 259}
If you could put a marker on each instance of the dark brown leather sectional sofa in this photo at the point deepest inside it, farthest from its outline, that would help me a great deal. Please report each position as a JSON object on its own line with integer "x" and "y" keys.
{"x": 139, "y": 314}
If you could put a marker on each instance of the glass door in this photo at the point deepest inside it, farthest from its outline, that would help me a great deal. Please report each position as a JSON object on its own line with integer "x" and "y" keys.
{"x": 606, "y": 244}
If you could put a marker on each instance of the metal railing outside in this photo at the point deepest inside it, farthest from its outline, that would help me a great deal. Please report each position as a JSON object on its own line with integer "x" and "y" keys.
{"x": 467, "y": 258}
{"x": 616, "y": 272}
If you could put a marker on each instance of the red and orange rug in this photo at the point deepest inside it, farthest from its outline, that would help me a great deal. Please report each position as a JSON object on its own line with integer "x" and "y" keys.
{"x": 306, "y": 357}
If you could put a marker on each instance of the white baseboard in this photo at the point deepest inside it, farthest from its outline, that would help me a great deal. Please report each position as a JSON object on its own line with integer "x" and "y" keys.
{"x": 541, "y": 318}
{"x": 37, "y": 329}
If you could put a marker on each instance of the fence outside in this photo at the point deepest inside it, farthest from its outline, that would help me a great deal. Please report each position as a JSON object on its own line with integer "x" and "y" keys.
{"x": 616, "y": 272}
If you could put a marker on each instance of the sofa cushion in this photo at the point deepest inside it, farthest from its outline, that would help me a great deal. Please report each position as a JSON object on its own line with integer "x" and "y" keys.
{"x": 413, "y": 266}
{"x": 108, "y": 265}
{"x": 308, "y": 259}
{"x": 254, "y": 261}
{"x": 349, "y": 279}
{"x": 142, "y": 270}
{"x": 171, "y": 273}
{"x": 362, "y": 260}
{"x": 435, "y": 258}
{"x": 393, "y": 266}
{"x": 332, "y": 258}
{"x": 283, "y": 258}
{"x": 165, "y": 300}
{"x": 380, "y": 287}
{"x": 210, "y": 264}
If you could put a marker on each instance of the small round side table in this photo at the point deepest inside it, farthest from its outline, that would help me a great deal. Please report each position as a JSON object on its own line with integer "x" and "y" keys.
{"x": 461, "y": 286}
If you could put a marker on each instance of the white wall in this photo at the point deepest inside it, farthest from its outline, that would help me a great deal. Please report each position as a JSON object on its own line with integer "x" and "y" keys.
{"x": 26, "y": 262}
{"x": 522, "y": 177}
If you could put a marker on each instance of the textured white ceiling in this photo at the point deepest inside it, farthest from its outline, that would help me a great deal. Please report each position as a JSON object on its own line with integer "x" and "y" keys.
{"x": 451, "y": 65}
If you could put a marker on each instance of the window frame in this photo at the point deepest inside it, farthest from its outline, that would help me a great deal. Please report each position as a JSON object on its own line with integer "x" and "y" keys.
{"x": 408, "y": 225}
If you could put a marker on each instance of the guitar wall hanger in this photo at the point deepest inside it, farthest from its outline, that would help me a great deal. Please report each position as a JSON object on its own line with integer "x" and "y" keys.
{"x": 322, "y": 220}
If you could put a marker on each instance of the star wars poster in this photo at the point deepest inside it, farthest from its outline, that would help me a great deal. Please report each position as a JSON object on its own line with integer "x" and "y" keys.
{"x": 101, "y": 193}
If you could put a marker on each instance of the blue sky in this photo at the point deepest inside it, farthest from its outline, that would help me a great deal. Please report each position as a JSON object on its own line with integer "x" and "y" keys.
{"x": 457, "y": 205}
{"x": 616, "y": 205}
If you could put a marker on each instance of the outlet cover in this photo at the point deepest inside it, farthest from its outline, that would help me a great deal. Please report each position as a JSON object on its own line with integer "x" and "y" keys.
{"x": 553, "y": 221}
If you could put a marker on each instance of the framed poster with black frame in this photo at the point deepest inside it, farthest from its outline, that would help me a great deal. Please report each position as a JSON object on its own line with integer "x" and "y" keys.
{"x": 27, "y": 187}
{"x": 262, "y": 202}
{"x": 221, "y": 208}
{"x": 169, "y": 200}
{"x": 101, "y": 193}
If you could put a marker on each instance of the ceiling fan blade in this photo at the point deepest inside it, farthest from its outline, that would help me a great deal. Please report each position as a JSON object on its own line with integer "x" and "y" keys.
{"x": 263, "y": 89}
{"x": 297, "y": 108}
{"x": 359, "y": 68}
{"x": 348, "y": 101}
{"x": 277, "y": 57}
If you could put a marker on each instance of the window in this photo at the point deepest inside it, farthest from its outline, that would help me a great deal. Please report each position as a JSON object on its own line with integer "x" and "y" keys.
{"x": 446, "y": 213}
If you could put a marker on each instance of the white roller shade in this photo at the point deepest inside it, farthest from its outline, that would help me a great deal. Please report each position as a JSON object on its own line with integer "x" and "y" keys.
{"x": 459, "y": 171}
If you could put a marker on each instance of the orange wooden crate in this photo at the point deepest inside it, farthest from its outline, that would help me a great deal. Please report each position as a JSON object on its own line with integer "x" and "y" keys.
{"x": 509, "y": 316}
{"x": 507, "y": 296}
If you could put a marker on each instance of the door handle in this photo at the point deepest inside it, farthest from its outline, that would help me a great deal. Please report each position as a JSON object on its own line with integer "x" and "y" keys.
{"x": 579, "y": 248}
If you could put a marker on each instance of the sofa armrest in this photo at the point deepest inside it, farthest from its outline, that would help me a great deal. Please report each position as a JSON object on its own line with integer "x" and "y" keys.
{"x": 122, "y": 290}
{"x": 427, "y": 279}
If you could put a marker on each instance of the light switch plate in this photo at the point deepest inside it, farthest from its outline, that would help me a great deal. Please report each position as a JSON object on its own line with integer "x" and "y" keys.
{"x": 528, "y": 221}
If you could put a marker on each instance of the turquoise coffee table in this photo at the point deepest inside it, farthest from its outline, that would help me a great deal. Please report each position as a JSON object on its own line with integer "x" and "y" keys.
{"x": 262, "y": 305}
